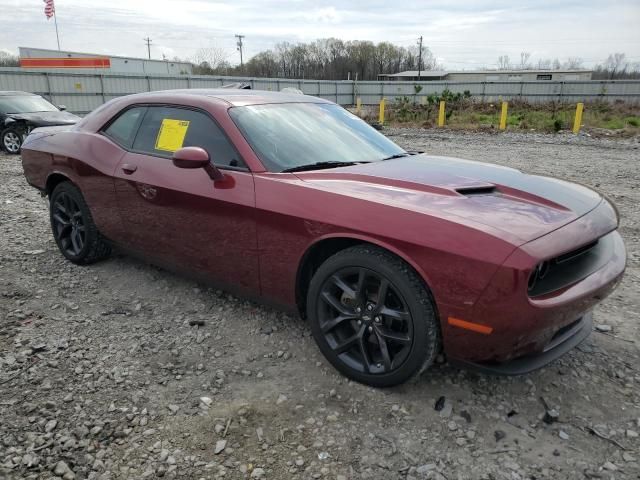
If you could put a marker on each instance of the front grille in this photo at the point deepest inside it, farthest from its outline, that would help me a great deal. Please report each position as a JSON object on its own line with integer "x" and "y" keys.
{"x": 570, "y": 267}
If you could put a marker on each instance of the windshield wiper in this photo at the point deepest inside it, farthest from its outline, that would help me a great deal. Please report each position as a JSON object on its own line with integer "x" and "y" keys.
{"x": 319, "y": 166}
{"x": 401, "y": 155}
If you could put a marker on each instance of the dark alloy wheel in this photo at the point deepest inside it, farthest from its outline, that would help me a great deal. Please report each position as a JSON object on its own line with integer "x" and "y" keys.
{"x": 68, "y": 224}
{"x": 73, "y": 228}
{"x": 372, "y": 316}
{"x": 11, "y": 141}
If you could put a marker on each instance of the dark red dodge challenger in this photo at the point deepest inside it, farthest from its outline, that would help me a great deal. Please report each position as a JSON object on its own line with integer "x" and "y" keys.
{"x": 392, "y": 255}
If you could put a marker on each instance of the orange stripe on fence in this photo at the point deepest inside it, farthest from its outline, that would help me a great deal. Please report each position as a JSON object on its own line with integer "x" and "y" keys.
{"x": 75, "y": 62}
{"x": 474, "y": 327}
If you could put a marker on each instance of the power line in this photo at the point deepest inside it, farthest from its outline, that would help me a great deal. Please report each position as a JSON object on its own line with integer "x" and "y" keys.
{"x": 148, "y": 42}
{"x": 239, "y": 44}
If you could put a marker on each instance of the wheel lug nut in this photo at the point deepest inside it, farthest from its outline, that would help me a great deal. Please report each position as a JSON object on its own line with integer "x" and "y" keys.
{"x": 371, "y": 329}
{"x": 358, "y": 309}
{"x": 377, "y": 319}
{"x": 359, "y": 322}
{"x": 369, "y": 307}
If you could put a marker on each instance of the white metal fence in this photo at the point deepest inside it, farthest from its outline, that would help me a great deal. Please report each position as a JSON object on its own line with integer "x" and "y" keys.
{"x": 82, "y": 92}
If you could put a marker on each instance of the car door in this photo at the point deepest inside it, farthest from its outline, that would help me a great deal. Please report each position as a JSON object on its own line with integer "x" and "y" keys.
{"x": 181, "y": 216}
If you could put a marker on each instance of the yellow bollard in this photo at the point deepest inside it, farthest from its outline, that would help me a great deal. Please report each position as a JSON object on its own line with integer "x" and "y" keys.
{"x": 578, "y": 120}
{"x": 503, "y": 116}
{"x": 441, "y": 114}
{"x": 358, "y": 105}
{"x": 381, "y": 115}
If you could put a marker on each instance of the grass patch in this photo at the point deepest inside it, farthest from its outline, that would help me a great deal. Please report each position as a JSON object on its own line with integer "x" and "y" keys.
{"x": 552, "y": 117}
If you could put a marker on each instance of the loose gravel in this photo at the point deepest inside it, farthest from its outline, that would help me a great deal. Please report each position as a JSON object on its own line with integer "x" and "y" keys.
{"x": 121, "y": 370}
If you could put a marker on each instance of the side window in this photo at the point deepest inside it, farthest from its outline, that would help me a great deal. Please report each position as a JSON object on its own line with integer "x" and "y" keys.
{"x": 123, "y": 129}
{"x": 166, "y": 129}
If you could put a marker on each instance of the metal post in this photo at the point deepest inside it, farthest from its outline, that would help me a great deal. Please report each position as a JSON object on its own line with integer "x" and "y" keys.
{"x": 577, "y": 122}
{"x": 503, "y": 116}
{"x": 148, "y": 83}
{"x": 55, "y": 19}
{"x": 381, "y": 112}
{"x": 336, "y": 91}
{"x": 102, "y": 88}
{"x": 441, "y": 114}
{"x": 49, "y": 94}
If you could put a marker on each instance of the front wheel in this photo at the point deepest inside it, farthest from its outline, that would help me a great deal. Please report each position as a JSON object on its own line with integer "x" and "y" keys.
{"x": 11, "y": 140}
{"x": 73, "y": 228}
{"x": 372, "y": 316}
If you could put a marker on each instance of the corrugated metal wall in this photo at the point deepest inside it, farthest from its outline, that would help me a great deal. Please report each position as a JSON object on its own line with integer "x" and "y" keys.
{"x": 82, "y": 92}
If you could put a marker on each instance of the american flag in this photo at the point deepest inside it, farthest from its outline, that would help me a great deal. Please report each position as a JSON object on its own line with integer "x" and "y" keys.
{"x": 49, "y": 9}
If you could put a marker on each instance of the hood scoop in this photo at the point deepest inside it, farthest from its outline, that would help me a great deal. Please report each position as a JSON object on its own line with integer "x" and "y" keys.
{"x": 477, "y": 190}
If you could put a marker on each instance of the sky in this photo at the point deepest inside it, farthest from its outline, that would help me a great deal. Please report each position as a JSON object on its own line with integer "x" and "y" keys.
{"x": 463, "y": 34}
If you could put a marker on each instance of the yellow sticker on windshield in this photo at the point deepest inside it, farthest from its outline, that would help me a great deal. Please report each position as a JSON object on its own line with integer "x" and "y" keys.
{"x": 171, "y": 135}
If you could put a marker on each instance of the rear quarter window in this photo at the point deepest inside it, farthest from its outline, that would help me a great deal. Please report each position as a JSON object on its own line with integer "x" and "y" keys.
{"x": 123, "y": 129}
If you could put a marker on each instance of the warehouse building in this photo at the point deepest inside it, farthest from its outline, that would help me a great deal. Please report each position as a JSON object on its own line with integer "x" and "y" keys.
{"x": 41, "y": 58}
{"x": 489, "y": 75}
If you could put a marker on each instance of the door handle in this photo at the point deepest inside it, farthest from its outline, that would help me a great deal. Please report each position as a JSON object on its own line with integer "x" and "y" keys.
{"x": 129, "y": 169}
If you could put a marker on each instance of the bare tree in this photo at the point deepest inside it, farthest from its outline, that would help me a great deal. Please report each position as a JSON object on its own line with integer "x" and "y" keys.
{"x": 335, "y": 59}
{"x": 8, "y": 60}
{"x": 616, "y": 64}
{"x": 573, "y": 63}
{"x": 210, "y": 59}
{"x": 524, "y": 60}
{"x": 544, "y": 64}
{"x": 503, "y": 62}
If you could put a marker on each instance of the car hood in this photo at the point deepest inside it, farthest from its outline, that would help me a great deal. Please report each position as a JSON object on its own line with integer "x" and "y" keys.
{"x": 45, "y": 119}
{"x": 522, "y": 207}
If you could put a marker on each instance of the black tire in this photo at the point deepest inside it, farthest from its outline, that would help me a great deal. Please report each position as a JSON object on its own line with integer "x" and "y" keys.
{"x": 73, "y": 228}
{"x": 405, "y": 320}
{"x": 11, "y": 140}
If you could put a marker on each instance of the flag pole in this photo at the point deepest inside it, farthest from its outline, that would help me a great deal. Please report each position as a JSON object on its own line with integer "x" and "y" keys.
{"x": 55, "y": 19}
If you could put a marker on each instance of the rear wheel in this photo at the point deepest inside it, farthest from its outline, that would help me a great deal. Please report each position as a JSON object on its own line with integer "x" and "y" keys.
{"x": 11, "y": 140}
{"x": 373, "y": 317}
{"x": 73, "y": 228}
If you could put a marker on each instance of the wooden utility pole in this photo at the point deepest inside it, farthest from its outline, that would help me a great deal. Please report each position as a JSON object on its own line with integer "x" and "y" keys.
{"x": 148, "y": 42}
{"x": 239, "y": 43}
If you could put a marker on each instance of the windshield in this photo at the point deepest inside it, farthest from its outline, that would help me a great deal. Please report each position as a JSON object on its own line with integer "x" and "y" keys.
{"x": 25, "y": 104}
{"x": 289, "y": 135}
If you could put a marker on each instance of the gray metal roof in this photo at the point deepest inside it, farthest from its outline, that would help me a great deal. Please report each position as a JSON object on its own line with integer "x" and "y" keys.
{"x": 443, "y": 73}
{"x": 414, "y": 73}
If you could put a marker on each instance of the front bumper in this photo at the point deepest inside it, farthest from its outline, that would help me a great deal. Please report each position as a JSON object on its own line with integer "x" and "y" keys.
{"x": 559, "y": 345}
{"x": 522, "y": 326}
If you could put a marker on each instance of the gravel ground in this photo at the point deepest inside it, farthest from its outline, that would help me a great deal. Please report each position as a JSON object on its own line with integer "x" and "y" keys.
{"x": 103, "y": 376}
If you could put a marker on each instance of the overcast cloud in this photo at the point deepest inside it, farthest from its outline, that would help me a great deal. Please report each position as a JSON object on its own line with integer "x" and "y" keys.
{"x": 462, "y": 34}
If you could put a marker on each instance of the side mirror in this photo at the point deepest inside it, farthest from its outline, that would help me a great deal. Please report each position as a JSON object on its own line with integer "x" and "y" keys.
{"x": 62, "y": 108}
{"x": 196, "y": 157}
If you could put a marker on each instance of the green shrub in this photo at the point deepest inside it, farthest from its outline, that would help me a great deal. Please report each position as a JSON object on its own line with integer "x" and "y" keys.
{"x": 557, "y": 125}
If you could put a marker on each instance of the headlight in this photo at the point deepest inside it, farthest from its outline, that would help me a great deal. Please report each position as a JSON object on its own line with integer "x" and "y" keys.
{"x": 538, "y": 273}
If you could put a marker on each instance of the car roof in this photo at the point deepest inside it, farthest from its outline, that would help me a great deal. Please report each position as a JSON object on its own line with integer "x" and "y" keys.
{"x": 9, "y": 93}
{"x": 237, "y": 97}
